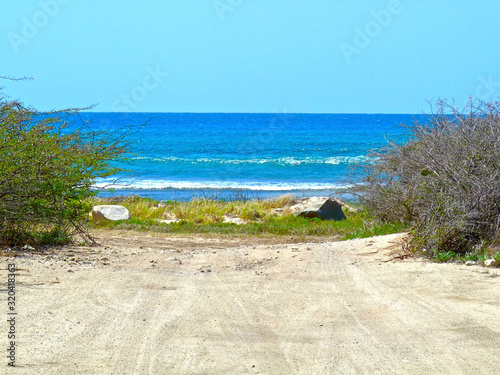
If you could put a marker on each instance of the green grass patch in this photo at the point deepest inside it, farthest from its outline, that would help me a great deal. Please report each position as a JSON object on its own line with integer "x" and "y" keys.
{"x": 263, "y": 218}
{"x": 477, "y": 255}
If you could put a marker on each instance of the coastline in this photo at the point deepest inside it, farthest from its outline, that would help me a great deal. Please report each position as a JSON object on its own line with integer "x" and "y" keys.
{"x": 218, "y": 194}
{"x": 311, "y": 154}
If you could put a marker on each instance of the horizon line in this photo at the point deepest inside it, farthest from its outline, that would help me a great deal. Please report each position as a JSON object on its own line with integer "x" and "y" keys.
{"x": 263, "y": 113}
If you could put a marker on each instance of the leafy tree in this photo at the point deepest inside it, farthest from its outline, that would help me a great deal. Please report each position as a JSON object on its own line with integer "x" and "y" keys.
{"x": 47, "y": 171}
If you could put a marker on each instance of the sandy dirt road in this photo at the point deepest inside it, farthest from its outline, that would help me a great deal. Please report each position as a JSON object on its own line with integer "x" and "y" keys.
{"x": 161, "y": 305}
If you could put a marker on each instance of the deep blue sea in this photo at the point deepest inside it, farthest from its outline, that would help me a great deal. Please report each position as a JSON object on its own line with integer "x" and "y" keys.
{"x": 184, "y": 155}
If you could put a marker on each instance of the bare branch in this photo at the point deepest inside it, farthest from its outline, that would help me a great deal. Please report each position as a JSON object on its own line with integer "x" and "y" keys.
{"x": 9, "y": 78}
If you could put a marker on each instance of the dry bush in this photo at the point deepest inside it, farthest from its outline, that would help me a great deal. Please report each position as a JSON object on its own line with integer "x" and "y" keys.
{"x": 444, "y": 181}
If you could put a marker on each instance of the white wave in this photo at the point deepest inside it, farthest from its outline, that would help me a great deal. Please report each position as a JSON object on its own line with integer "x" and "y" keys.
{"x": 336, "y": 160}
{"x": 215, "y": 185}
{"x": 350, "y": 159}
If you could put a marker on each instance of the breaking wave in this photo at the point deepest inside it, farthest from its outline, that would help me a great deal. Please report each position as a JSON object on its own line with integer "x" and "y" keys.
{"x": 285, "y": 161}
{"x": 214, "y": 185}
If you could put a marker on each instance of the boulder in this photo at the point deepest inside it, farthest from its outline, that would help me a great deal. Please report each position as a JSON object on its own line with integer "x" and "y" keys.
{"x": 109, "y": 212}
{"x": 324, "y": 208}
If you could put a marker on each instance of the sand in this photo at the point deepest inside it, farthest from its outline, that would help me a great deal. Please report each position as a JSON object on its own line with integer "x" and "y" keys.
{"x": 156, "y": 304}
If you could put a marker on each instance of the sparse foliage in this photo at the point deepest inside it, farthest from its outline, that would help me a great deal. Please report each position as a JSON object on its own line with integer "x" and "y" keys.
{"x": 444, "y": 181}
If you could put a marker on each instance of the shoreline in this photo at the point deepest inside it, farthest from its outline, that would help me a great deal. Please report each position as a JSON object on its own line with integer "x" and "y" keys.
{"x": 186, "y": 195}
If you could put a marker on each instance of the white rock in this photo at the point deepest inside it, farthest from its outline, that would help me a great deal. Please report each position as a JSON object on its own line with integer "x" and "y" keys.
{"x": 109, "y": 212}
{"x": 470, "y": 263}
{"x": 169, "y": 221}
{"x": 490, "y": 263}
{"x": 228, "y": 218}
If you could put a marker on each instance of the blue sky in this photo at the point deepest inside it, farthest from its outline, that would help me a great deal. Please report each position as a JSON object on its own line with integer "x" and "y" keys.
{"x": 315, "y": 56}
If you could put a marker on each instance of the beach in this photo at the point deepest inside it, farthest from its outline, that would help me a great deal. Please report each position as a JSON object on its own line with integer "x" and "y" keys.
{"x": 250, "y": 187}
{"x": 178, "y": 156}
{"x": 150, "y": 303}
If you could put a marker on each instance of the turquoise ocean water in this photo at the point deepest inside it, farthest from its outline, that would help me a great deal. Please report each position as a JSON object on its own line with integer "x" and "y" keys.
{"x": 182, "y": 155}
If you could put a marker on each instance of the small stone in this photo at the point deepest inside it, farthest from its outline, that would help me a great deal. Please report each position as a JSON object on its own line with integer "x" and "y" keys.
{"x": 470, "y": 263}
{"x": 169, "y": 221}
{"x": 173, "y": 259}
{"x": 490, "y": 263}
{"x": 71, "y": 271}
{"x": 232, "y": 219}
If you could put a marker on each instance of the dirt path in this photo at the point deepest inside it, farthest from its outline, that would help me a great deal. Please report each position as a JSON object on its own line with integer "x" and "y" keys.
{"x": 174, "y": 308}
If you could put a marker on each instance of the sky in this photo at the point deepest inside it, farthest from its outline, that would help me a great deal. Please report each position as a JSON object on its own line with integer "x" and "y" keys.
{"x": 294, "y": 56}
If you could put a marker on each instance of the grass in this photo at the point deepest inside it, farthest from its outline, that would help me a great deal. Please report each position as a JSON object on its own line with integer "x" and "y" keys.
{"x": 201, "y": 210}
{"x": 35, "y": 235}
{"x": 269, "y": 217}
{"x": 479, "y": 255}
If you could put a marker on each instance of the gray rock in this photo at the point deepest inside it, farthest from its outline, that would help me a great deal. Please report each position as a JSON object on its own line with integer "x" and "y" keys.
{"x": 320, "y": 207}
{"x": 490, "y": 263}
{"x": 109, "y": 212}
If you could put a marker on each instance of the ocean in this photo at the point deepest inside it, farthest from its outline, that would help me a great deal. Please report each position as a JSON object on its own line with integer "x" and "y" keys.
{"x": 178, "y": 156}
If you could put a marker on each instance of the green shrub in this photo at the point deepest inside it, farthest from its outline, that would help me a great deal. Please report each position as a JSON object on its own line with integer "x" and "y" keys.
{"x": 444, "y": 181}
{"x": 46, "y": 174}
